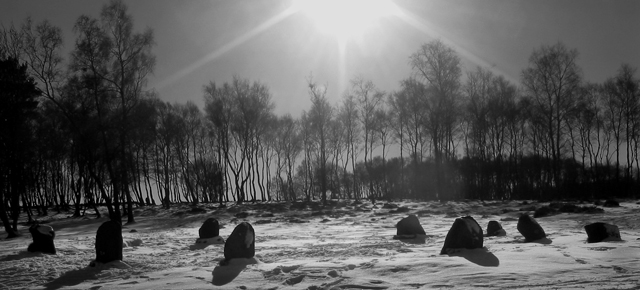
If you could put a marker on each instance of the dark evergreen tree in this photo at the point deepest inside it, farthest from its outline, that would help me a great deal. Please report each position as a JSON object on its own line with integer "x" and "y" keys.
{"x": 18, "y": 104}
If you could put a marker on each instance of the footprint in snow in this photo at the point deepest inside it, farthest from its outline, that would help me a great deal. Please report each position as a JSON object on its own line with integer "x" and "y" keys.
{"x": 399, "y": 269}
{"x": 620, "y": 270}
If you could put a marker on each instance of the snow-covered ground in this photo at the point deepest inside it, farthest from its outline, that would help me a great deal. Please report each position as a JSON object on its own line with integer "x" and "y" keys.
{"x": 344, "y": 246}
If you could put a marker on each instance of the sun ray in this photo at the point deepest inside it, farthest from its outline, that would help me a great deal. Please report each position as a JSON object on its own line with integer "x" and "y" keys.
{"x": 342, "y": 65}
{"x": 345, "y": 18}
{"x": 432, "y": 30}
{"x": 226, "y": 48}
{"x": 342, "y": 19}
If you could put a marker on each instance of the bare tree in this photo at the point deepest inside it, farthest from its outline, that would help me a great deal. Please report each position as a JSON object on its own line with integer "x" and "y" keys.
{"x": 439, "y": 66}
{"x": 552, "y": 80}
{"x": 348, "y": 117}
{"x": 122, "y": 59}
{"x": 320, "y": 116}
{"x": 369, "y": 99}
{"x": 39, "y": 46}
{"x": 593, "y": 138}
{"x": 240, "y": 111}
{"x": 623, "y": 103}
{"x": 383, "y": 130}
{"x": 218, "y": 111}
{"x": 410, "y": 105}
{"x": 305, "y": 170}
{"x": 287, "y": 148}
{"x": 491, "y": 101}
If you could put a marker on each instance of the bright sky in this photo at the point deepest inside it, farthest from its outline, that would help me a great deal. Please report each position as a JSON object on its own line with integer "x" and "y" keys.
{"x": 280, "y": 42}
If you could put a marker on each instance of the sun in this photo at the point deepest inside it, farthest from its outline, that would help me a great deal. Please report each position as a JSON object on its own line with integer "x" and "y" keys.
{"x": 345, "y": 18}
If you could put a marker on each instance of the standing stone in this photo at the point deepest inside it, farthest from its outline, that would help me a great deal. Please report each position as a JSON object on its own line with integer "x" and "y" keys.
{"x": 109, "y": 242}
{"x": 494, "y": 228}
{"x": 530, "y": 228}
{"x": 241, "y": 243}
{"x": 465, "y": 233}
{"x": 209, "y": 229}
{"x": 409, "y": 226}
{"x": 598, "y": 232}
{"x": 43, "y": 236}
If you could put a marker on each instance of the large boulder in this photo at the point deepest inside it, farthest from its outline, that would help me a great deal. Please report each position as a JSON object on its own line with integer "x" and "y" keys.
{"x": 43, "y": 236}
{"x": 109, "y": 242}
{"x": 530, "y": 229}
{"x": 465, "y": 233}
{"x": 241, "y": 243}
{"x": 598, "y": 232}
{"x": 209, "y": 229}
{"x": 494, "y": 228}
{"x": 409, "y": 227}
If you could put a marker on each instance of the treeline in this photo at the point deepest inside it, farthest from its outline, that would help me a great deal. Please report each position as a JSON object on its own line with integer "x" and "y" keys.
{"x": 553, "y": 136}
{"x": 87, "y": 132}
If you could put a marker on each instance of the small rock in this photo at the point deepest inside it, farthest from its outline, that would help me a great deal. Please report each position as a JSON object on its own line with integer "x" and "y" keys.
{"x": 42, "y": 236}
{"x": 294, "y": 280}
{"x": 598, "y": 232}
{"x": 569, "y": 208}
{"x": 297, "y": 221}
{"x": 452, "y": 214}
{"x": 212, "y": 241}
{"x": 528, "y": 208}
{"x": 506, "y": 210}
{"x": 543, "y": 211}
{"x": 409, "y": 226}
{"x": 209, "y": 229}
{"x": 333, "y": 273}
{"x": 132, "y": 243}
{"x": 494, "y": 228}
{"x": 400, "y": 209}
{"x": 242, "y": 215}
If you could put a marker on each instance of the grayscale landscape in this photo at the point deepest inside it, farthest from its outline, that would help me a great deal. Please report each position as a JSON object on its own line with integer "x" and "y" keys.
{"x": 319, "y": 144}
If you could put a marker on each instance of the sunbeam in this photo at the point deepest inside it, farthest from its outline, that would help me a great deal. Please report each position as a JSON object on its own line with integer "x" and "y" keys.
{"x": 432, "y": 30}
{"x": 226, "y": 48}
{"x": 342, "y": 65}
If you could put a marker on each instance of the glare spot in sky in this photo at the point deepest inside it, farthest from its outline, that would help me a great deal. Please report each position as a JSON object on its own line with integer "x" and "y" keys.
{"x": 345, "y": 18}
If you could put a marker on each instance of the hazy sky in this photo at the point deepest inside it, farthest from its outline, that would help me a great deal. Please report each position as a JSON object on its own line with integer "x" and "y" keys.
{"x": 202, "y": 41}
